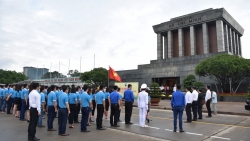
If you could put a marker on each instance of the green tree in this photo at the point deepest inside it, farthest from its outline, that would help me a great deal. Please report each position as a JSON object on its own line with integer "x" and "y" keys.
{"x": 10, "y": 77}
{"x": 74, "y": 73}
{"x": 97, "y": 76}
{"x": 189, "y": 81}
{"x": 54, "y": 74}
{"x": 227, "y": 70}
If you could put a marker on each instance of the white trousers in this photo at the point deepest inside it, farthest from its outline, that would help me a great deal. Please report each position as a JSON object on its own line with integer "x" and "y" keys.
{"x": 142, "y": 116}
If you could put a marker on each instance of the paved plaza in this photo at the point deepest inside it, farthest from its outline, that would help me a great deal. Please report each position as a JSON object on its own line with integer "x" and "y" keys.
{"x": 218, "y": 128}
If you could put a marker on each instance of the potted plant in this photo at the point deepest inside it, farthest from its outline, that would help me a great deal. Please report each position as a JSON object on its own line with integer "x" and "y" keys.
{"x": 155, "y": 94}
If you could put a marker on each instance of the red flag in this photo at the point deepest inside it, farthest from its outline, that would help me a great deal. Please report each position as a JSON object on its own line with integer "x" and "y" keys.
{"x": 113, "y": 75}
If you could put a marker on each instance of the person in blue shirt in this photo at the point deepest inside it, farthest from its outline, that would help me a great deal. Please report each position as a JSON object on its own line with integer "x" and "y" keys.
{"x": 100, "y": 101}
{"x": 64, "y": 111}
{"x": 86, "y": 106}
{"x": 178, "y": 103}
{"x": 15, "y": 102}
{"x": 5, "y": 95}
{"x": 129, "y": 100}
{"x": 23, "y": 105}
{"x": 26, "y": 97}
{"x": 72, "y": 106}
{"x": 52, "y": 107}
{"x": 119, "y": 113}
{"x": 115, "y": 101}
{"x": 107, "y": 94}
{"x": 78, "y": 106}
{"x": 42, "y": 99}
{"x": 90, "y": 112}
{"x": 19, "y": 100}
{"x": 93, "y": 102}
{"x": 1, "y": 97}
{"x": 10, "y": 99}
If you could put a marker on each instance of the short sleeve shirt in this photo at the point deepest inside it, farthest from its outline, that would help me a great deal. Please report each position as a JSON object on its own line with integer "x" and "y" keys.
{"x": 72, "y": 98}
{"x": 63, "y": 99}
{"x": 100, "y": 96}
{"x": 85, "y": 99}
{"x": 51, "y": 98}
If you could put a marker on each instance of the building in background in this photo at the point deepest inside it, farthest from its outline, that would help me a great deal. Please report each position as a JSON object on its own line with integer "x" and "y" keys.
{"x": 34, "y": 73}
{"x": 186, "y": 40}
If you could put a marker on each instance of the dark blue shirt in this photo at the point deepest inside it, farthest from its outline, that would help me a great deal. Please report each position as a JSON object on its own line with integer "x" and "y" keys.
{"x": 114, "y": 97}
{"x": 178, "y": 99}
{"x": 129, "y": 95}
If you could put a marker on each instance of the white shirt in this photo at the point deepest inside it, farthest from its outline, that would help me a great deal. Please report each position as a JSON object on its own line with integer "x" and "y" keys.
{"x": 34, "y": 100}
{"x": 208, "y": 95}
{"x": 161, "y": 87}
{"x": 214, "y": 95}
{"x": 188, "y": 97}
{"x": 195, "y": 95}
{"x": 142, "y": 100}
{"x": 174, "y": 89}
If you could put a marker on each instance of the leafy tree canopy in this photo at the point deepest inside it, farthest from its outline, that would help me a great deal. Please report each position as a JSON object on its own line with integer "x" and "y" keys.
{"x": 98, "y": 76}
{"x": 190, "y": 81}
{"x": 10, "y": 77}
{"x": 54, "y": 74}
{"x": 155, "y": 91}
{"x": 226, "y": 69}
{"x": 74, "y": 73}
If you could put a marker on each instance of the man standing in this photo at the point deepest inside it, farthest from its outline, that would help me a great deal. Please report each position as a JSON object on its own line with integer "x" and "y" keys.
{"x": 107, "y": 103}
{"x": 214, "y": 102}
{"x": 129, "y": 100}
{"x": 194, "y": 103}
{"x": 208, "y": 101}
{"x": 23, "y": 108}
{"x": 142, "y": 102}
{"x": 86, "y": 108}
{"x": 200, "y": 98}
{"x": 64, "y": 111}
{"x": 178, "y": 104}
{"x": 35, "y": 111}
{"x": 115, "y": 101}
{"x": 5, "y": 94}
{"x": 100, "y": 101}
{"x": 42, "y": 97}
{"x": 52, "y": 107}
{"x": 9, "y": 99}
{"x": 189, "y": 100}
{"x": 1, "y": 96}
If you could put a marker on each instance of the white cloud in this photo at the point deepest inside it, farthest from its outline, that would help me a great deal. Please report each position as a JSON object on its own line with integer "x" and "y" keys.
{"x": 119, "y": 33}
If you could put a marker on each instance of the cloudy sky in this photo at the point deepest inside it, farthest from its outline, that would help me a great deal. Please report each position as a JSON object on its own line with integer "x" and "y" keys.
{"x": 118, "y": 32}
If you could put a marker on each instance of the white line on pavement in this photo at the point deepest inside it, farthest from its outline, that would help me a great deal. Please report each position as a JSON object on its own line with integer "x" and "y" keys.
{"x": 153, "y": 127}
{"x": 169, "y": 130}
{"x": 194, "y": 134}
{"x": 220, "y": 138}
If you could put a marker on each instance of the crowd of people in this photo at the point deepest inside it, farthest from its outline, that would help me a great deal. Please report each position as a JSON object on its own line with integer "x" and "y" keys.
{"x": 31, "y": 102}
{"x": 67, "y": 102}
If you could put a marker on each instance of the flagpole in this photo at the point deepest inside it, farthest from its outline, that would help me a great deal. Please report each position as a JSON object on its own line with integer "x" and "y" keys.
{"x": 108, "y": 76}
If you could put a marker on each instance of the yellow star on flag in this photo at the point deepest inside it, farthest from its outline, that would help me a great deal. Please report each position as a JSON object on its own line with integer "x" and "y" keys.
{"x": 115, "y": 74}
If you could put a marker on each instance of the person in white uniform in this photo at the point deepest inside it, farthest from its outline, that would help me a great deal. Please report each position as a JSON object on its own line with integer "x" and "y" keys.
{"x": 142, "y": 102}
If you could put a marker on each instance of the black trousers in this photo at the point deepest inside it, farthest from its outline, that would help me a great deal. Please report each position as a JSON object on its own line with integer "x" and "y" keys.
{"x": 94, "y": 105}
{"x": 200, "y": 111}
{"x": 33, "y": 123}
{"x": 9, "y": 102}
{"x": 188, "y": 112}
{"x": 128, "y": 111}
{"x": 100, "y": 111}
{"x": 114, "y": 114}
{"x": 72, "y": 108}
{"x": 77, "y": 113}
{"x": 208, "y": 108}
{"x": 194, "y": 109}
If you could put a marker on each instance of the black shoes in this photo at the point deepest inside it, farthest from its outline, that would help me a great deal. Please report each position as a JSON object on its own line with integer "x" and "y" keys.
{"x": 116, "y": 126}
{"x": 194, "y": 119}
{"x": 181, "y": 131}
{"x": 33, "y": 139}
{"x": 41, "y": 126}
{"x": 208, "y": 116}
{"x": 101, "y": 129}
{"x": 85, "y": 131}
{"x": 129, "y": 123}
{"x": 174, "y": 130}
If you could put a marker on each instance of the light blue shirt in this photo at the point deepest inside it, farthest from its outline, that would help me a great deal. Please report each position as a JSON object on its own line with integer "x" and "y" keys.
{"x": 1, "y": 92}
{"x": 51, "y": 98}
{"x": 6, "y": 91}
{"x": 42, "y": 98}
{"x": 22, "y": 94}
{"x": 214, "y": 97}
{"x": 100, "y": 96}
{"x": 78, "y": 96}
{"x": 72, "y": 98}
{"x": 14, "y": 95}
{"x": 11, "y": 92}
{"x": 26, "y": 93}
{"x": 85, "y": 99}
{"x": 18, "y": 94}
{"x": 63, "y": 99}
{"x": 107, "y": 94}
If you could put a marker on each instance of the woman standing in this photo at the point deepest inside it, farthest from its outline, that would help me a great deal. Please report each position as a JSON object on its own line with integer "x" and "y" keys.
{"x": 107, "y": 94}
{"x": 72, "y": 106}
{"x": 19, "y": 101}
{"x": 14, "y": 96}
{"x": 93, "y": 102}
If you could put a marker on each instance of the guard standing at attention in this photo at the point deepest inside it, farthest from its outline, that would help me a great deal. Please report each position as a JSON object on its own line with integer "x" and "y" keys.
{"x": 64, "y": 111}
{"x": 142, "y": 102}
{"x": 189, "y": 100}
{"x": 52, "y": 107}
{"x": 86, "y": 108}
{"x": 115, "y": 101}
{"x": 35, "y": 111}
{"x": 178, "y": 104}
{"x": 194, "y": 103}
{"x": 100, "y": 101}
{"x": 129, "y": 100}
{"x": 208, "y": 101}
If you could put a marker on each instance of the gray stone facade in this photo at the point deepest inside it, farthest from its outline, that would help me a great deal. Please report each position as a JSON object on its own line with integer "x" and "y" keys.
{"x": 225, "y": 28}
